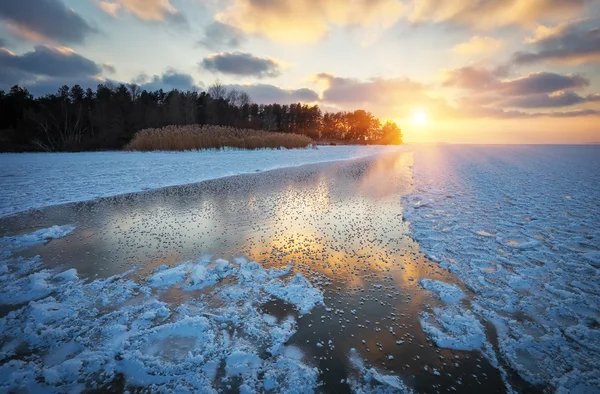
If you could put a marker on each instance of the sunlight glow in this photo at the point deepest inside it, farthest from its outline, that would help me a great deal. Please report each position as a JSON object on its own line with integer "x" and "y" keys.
{"x": 419, "y": 118}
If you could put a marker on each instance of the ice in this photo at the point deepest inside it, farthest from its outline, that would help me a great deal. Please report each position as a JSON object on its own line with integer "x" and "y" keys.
{"x": 71, "y": 177}
{"x": 497, "y": 217}
{"x": 84, "y": 334}
{"x": 447, "y": 292}
{"x": 17, "y": 242}
{"x": 22, "y": 280}
{"x": 454, "y": 328}
{"x": 370, "y": 380}
{"x": 296, "y": 291}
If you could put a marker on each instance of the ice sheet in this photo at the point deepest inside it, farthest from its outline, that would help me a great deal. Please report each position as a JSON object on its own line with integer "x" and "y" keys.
{"x": 520, "y": 227}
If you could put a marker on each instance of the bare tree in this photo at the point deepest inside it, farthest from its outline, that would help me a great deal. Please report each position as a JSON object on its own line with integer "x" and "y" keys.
{"x": 217, "y": 91}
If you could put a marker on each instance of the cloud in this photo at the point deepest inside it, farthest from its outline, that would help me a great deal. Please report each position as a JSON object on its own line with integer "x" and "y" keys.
{"x": 477, "y": 45}
{"x": 169, "y": 80}
{"x": 569, "y": 43}
{"x": 483, "y": 80}
{"x": 557, "y": 99}
{"x": 3, "y": 43}
{"x": 46, "y": 61}
{"x": 109, "y": 68}
{"x": 45, "y": 21}
{"x": 386, "y": 97}
{"x": 268, "y": 94}
{"x": 242, "y": 64}
{"x": 218, "y": 35}
{"x": 46, "y": 68}
{"x": 146, "y": 10}
{"x": 490, "y": 14}
{"x": 471, "y": 78}
{"x": 306, "y": 21}
{"x": 109, "y": 8}
{"x": 397, "y": 98}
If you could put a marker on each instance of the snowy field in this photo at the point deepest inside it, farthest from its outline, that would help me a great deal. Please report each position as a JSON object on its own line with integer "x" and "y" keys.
{"x": 520, "y": 227}
{"x": 36, "y": 180}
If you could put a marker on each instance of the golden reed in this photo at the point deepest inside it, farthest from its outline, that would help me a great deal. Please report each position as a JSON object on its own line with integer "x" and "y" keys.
{"x": 196, "y": 137}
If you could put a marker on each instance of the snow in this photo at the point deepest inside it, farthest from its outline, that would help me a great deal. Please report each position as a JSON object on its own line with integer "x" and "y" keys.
{"x": 448, "y": 293}
{"x": 520, "y": 227}
{"x": 90, "y": 332}
{"x": 23, "y": 280}
{"x": 71, "y": 177}
{"x": 454, "y": 328}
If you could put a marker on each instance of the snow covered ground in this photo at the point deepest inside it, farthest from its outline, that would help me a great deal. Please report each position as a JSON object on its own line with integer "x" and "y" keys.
{"x": 35, "y": 180}
{"x": 520, "y": 227}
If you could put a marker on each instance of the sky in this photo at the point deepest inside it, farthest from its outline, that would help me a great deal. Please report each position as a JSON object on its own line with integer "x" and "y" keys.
{"x": 462, "y": 71}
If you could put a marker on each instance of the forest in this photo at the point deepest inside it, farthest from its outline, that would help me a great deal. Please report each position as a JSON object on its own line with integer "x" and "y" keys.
{"x": 75, "y": 119}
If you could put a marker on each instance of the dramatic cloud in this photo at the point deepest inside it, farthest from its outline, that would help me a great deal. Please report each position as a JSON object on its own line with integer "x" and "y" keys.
{"x": 557, "y": 99}
{"x": 268, "y": 94}
{"x": 44, "y": 21}
{"x": 477, "y": 45}
{"x": 169, "y": 80}
{"x": 242, "y": 64}
{"x": 492, "y": 13}
{"x": 398, "y": 98}
{"x": 49, "y": 62}
{"x": 308, "y": 20}
{"x": 218, "y": 35}
{"x": 146, "y": 10}
{"x": 567, "y": 43}
{"x": 482, "y": 80}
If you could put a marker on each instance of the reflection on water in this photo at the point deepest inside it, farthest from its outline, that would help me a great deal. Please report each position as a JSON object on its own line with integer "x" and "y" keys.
{"x": 340, "y": 223}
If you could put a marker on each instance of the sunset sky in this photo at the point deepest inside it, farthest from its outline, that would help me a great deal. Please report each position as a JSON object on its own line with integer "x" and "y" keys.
{"x": 494, "y": 71}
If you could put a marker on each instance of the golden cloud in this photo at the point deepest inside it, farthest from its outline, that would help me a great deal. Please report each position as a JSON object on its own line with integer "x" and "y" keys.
{"x": 492, "y": 13}
{"x": 478, "y": 45}
{"x": 147, "y": 10}
{"x": 305, "y": 21}
{"x": 109, "y": 8}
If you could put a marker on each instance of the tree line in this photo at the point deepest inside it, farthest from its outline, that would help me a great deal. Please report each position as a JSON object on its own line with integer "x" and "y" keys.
{"x": 74, "y": 119}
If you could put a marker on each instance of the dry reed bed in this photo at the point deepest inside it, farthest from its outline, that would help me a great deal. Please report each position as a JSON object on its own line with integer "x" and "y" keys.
{"x": 196, "y": 137}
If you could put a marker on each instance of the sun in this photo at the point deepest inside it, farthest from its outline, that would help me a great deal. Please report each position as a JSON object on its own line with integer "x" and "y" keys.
{"x": 419, "y": 118}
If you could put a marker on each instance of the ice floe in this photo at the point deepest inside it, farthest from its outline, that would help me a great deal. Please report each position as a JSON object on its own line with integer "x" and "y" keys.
{"x": 447, "y": 292}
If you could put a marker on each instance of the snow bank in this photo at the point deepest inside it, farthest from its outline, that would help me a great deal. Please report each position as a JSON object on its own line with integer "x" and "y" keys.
{"x": 84, "y": 335}
{"x": 70, "y": 177}
{"x": 448, "y": 293}
{"x": 519, "y": 227}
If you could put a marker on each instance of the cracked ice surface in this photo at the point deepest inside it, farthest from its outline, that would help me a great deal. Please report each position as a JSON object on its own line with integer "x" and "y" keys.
{"x": 520, "y": 227}
{"x": 75, "y": 334}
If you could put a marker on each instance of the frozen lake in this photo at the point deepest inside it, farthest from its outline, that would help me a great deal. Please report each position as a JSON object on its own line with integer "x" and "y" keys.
{"x": 464, "y": 268}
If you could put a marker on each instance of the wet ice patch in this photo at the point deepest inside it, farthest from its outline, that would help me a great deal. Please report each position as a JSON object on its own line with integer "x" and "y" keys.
{"x": 370, "y": 380}
{"x": 448, "y": 293}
